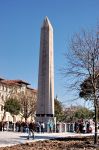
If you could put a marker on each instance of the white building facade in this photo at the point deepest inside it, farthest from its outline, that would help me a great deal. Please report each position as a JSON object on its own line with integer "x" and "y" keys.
{"x": 8, "y": 88}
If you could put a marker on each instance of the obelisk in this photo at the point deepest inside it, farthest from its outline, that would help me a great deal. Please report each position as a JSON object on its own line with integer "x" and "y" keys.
{"x": 45, "y": 102}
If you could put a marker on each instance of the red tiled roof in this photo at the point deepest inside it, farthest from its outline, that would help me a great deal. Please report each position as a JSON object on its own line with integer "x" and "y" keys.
{"x": 18, "y": 82}
{"x": 9, "y": 82}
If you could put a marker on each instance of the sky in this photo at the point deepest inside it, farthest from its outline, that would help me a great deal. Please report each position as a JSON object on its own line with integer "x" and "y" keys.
{"x": 20, "y": 25}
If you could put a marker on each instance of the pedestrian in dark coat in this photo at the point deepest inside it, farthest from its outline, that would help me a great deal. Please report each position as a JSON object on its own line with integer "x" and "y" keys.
{"x": 31, "y": 130}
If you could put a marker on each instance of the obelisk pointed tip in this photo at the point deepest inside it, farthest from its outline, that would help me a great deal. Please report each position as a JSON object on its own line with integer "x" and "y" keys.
{"x": 46, "y": 18}
{"x": 46, "y": 22}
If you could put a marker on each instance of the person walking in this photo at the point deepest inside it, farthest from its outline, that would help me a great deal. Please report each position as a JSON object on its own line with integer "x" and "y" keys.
{"x": 31, "y": 130}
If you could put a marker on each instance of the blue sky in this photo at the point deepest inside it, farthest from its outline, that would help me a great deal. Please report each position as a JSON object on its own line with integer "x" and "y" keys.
{"x": 20, "y": 23}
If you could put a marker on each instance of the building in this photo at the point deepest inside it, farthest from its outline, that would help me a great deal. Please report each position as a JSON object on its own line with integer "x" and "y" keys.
{"x": 12, "y": 88}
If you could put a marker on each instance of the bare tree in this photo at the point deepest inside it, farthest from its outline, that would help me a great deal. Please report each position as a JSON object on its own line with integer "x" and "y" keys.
{"x": 28, "y": 104}
{"x": 82, "y": 62}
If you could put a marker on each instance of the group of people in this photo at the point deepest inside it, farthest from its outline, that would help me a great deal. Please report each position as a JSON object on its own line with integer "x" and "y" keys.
{"x": 79, "y": 126}
{"x": 82, "y": 127}
{"x": 30, "y": 128}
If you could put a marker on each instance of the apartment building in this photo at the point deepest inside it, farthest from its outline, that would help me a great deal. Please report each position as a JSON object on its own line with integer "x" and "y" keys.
{"x": 11, "y": 88}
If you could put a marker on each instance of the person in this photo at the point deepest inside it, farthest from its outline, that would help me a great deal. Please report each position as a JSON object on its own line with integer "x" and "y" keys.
{"x": 42, "y": 127}
{"x": 76, "y": 127}
{"x": 38, "y": 127}
{"x": 84, "y": 128}
{"x": 87, "y": 127}
{"x": 31, "y": 130}
{"x": 50, "y": 127}
{"x": 26, "y": 127}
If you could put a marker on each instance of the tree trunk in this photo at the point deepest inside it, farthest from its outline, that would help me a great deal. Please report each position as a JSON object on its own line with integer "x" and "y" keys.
{"x": 96, "y": 129}
{"x": 3, "y": 120}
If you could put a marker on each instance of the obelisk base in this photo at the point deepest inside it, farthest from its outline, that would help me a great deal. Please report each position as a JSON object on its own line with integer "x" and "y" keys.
{"x": 49, "y": 122}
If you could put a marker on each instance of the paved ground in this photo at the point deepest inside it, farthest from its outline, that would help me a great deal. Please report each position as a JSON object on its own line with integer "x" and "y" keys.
{"x": 13, "y": 138}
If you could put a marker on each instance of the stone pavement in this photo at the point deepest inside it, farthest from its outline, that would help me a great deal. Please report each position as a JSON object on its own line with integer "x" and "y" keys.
{"x": 13, "y": 138}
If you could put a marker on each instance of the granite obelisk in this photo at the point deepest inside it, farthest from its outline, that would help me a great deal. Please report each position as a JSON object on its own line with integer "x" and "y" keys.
{"x": 45, "y": 102}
